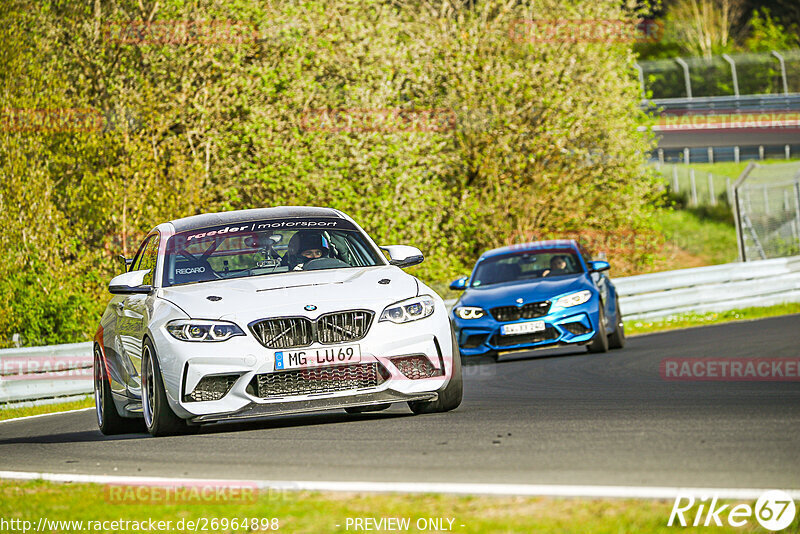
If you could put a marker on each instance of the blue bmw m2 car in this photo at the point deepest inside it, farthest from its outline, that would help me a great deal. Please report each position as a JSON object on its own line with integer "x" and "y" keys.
{"x": 537, "y": 295}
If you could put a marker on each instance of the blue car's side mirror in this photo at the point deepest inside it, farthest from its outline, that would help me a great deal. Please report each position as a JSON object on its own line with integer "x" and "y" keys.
{"x": 459, "y": 284}
{"x": 598, "y": 266}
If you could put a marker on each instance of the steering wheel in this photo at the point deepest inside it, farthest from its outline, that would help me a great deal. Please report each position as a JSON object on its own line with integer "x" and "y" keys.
{"x": 324, "y": 263}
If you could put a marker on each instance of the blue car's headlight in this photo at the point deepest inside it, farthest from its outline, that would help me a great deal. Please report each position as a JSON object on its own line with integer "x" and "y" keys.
{"x": 202, "y": 330}
{"x": 573, "y": 299}
{"x": 408, "y": 310}
{"x": 469, "y": 312}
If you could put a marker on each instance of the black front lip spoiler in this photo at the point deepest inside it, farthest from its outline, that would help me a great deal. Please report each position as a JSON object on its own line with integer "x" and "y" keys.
{"x": 257, "y": 410}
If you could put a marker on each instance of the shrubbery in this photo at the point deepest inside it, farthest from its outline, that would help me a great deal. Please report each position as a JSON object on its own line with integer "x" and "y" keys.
{"x": 526, "y": 138}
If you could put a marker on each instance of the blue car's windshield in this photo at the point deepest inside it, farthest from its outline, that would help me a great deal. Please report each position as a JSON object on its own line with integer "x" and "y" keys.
{"x": 526, "y": 264}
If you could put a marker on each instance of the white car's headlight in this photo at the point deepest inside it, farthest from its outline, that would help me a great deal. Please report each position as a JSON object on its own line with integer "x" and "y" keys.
{"x": 573, "y": 299}
{"x": 202, "y": 330}
{"x": 469, "y": 312}
{"x": 408, "y": 310}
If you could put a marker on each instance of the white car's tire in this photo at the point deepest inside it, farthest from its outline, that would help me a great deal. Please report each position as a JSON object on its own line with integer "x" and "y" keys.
{"x": 108, "y": 418}
{"x": 159, "y": 418}
{"x": 450, "y": 397}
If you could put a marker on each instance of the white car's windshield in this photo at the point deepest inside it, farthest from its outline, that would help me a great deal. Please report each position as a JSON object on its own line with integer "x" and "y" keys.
{"x": 265, "y": 247}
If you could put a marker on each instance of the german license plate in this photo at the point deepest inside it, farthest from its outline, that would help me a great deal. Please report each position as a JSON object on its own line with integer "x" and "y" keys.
{"x": 299, "y": 359}
{"x": 522, "y": 328}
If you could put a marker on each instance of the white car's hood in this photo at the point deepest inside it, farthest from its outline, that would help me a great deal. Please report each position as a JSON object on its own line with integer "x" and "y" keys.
{"x": 246, "y": 299}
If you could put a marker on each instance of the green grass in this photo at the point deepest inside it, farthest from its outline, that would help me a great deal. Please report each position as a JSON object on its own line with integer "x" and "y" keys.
{"x": 306, "y": 512}
{"x": 688, "y": 320}
{"x": 712, "y": 242}
{"x": 733, "y": 169}
{"x": 722, "y": 173}
{"x": 11, "y": 413}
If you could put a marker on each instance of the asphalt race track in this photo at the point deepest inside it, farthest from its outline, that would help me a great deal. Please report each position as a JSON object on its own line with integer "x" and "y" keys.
{"x": 568, "y": 419}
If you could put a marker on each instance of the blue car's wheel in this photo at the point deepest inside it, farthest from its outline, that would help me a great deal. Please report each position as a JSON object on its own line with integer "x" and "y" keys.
{"x": 617, "y": 338}
{"x": 600, "y": 340}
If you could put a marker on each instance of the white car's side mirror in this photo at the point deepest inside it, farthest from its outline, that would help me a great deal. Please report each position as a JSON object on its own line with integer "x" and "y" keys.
{"x": 130, "y": 283}
{"x": 403, "y": 255}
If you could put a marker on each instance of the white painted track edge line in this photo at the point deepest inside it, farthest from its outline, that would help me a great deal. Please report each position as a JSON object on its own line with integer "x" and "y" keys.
{"x": 530, "y": 490}
{"x": 45, "y": 415}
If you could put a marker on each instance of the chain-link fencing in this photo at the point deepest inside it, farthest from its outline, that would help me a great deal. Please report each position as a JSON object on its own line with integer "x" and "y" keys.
{"x": 767, "y": 211}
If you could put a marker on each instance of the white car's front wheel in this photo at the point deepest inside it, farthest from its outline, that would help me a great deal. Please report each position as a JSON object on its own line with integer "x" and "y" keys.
{"x": 450, "y": 396}
{"x": 159, "y": 418}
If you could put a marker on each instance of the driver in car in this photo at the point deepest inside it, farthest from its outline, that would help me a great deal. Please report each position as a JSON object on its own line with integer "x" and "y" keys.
{"x": 306, "y": 247}
{"x": 558, "y": 265}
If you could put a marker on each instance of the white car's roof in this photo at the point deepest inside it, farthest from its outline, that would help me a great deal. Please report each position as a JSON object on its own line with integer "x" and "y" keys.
{"x": 241, "y": 216}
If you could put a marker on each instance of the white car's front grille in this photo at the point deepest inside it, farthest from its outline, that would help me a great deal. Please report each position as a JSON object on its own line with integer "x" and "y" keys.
{"x": 288, "y": 332}
{"x": 319, "y": 380}
{"x": 283, "y": 333}
{"x": 341, "y": 327}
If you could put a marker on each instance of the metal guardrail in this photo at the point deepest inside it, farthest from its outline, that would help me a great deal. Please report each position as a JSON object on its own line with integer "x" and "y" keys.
{"x": 724, "y": 104}
{"x": 36, "y": 373}
{"x": 708, "y": 289}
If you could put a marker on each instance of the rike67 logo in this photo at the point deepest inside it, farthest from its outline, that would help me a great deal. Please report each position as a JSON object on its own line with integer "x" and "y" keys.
{"x": 774, "y": 510}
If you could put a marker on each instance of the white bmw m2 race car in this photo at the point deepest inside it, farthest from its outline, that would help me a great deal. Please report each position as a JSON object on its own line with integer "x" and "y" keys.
{"x": 246, "y": 314}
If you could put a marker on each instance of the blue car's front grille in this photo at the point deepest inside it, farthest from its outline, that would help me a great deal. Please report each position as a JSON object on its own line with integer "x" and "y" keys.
{"x": 515, "y": 313}
{"x": 525, "y": 339}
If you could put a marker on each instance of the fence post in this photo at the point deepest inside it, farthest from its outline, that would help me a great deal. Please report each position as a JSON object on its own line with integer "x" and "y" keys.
{"x": 728, "y": 191}
{"x": 640, "y": 73}
{"x": 675, "y": 184}
{"x": 712, "y": 196}
{"x": 686, "y": 78}
{"x": 787, "y": 150}
{"x": 661, "y": 156}
{"x": 736, "y": 154}
{"x": 797, "y": 207}
{"x": 761, "y": 152}
{"x": 711, "y": 154}
{"x": 783, "y": 72}
{"x": 686, "y": 155}
{"x": 694, "y": 187}
{"x": 737, "y": 210}
{"x": 730, "y": 61}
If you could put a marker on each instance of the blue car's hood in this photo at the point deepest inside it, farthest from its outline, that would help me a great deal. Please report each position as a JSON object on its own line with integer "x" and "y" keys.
{"x": 540, "y": 289}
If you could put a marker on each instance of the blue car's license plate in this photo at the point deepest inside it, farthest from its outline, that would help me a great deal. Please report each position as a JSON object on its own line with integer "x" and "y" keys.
{"x": 522, "y": 328}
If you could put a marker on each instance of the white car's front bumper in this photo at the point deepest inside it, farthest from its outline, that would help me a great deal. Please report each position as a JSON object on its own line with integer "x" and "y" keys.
{"x": 184, "y": 364}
